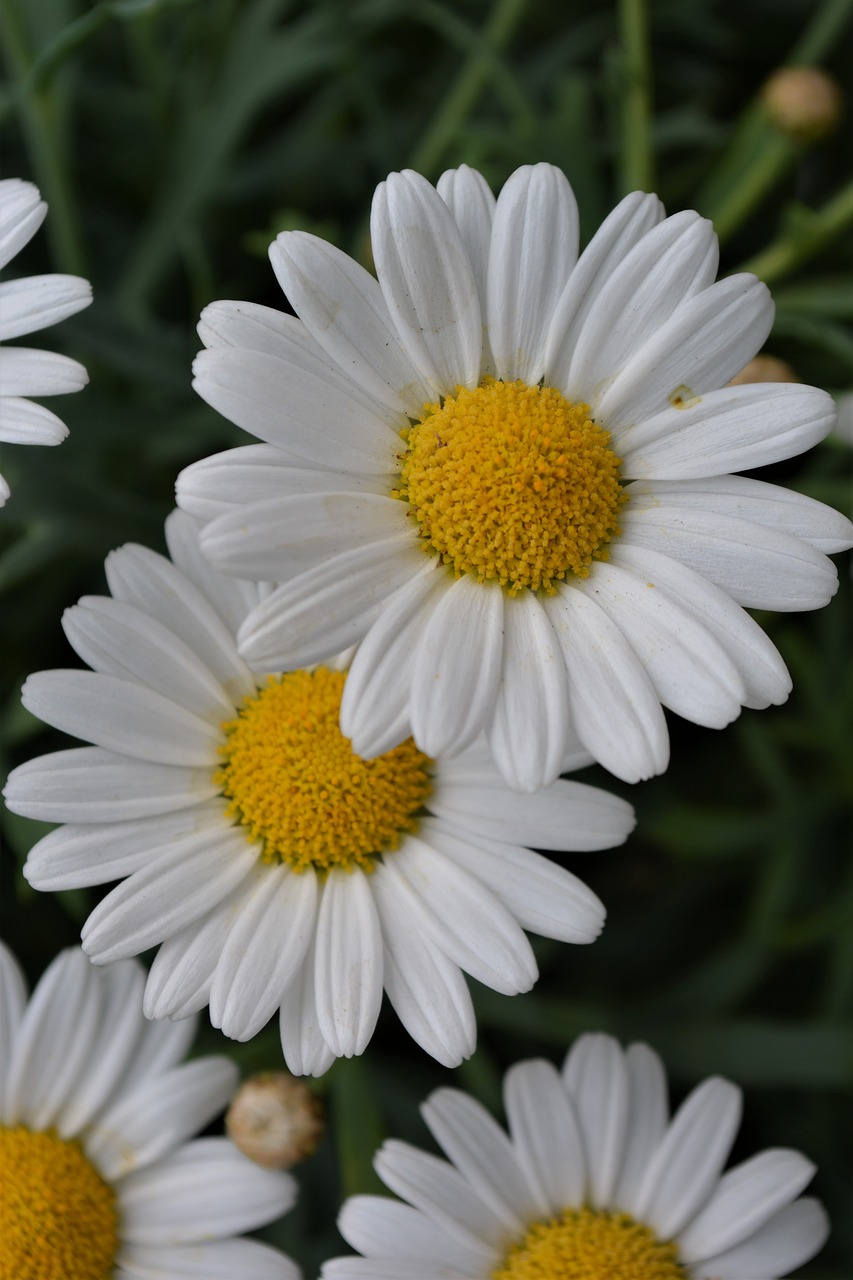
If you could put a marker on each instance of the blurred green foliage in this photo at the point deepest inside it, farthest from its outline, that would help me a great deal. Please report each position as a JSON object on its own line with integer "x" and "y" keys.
{"x": 172, "y": 139}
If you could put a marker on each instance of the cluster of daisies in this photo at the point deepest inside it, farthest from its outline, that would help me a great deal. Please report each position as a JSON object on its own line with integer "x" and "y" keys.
{"x": 488, "y": 533}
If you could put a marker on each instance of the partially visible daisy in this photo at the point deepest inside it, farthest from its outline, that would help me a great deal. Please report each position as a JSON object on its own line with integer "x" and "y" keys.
{"x": 277, "y": 868}
{"x": 102, "y": 1177}
{"x": 593, "y": 1182}
{"x": 25, "y": 306}
{"x": 555, "y": 433}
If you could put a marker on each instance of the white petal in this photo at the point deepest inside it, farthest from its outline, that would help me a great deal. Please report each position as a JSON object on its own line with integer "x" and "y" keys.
{"x": 381, "y": 1228}
{"x": 596, "y": 1077}
{"x": 26, "y": 423}
{"x": 22, "y": 212}
{"x": 483, "y": 1154}
{"x": 222, "y": 1260}
{"x": 386, "y": 1269}
{"x": 533, "y": 249}
{"x": 457, "y": 667}
{"x": 342, "y": 306}
{"x": 232, "y": 598}
{"x": 686, "y": 1166}
{"x": 179, "y": 886}
{"x": 648, "y": 1111}
{"x": 544, "y": 897}
{"x": 788, "y": 1240}
{"x": 305, "y": 1051}
{"x": 264, "y": 951}
{"x": 466, "y": 920}
{"x": 205, "y": 1191}
{"x": 469, "y": 198}
{"x": 13, "y": 1002}
{"x": 331, "y": 606}
{"x": 745, "y": 1199}
{"x": 636, "y": 214}
{"x": 120, "y": 716}
{"x": 731, "y": 429}
{"x": 26, "y": 371}
{"x": 546, "y": 1137}
{"x": 760, "y": 568}
{"x": 704, "y": 343}
{"x": 673, "y": 261}
{"x": 38, "y": 301}
{"x": 87, "y": 784}
{"x": 162, "y": 1046}
{"x": 529, "y": 728}
{"x": 427, "y": 990}
{"x": 614, "y": 708}
{"x": 689, "y": 670}
{"x": 427, "y": 281}
{"x": 348, "y": 958}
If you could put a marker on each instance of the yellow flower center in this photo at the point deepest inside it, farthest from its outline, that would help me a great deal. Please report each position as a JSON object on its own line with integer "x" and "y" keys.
{"x": 296, "y": 784}
{"x": 588, "y": 1244}
{"x": 512, "y": 482}
{"x": 58, "y": 1217}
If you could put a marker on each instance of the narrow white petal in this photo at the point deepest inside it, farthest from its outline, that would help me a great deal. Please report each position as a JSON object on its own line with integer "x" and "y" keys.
{"x": 457, "y": 667}
{"x": 161, "y": 1046}
{"x": 354, "y": 1268}
{"x": 22, "y": 212}
{"x": 264, "y": 951}
{"x": 469, "y": 198}
{"x": 782, "y": 1245}
{"x": 685, "y": 1168}
{"x": 530, "y": 725}
{"x": 546, "y": 1137}
{"x": 222, "y": 1260}
{"x": 632, "y": 218}
{"x": 26, "y": 371}
{"x": 596, "y": 1077}
{"x": 38, "y": 301}
{"x": 305, "y": 1051}
{"x": 232, "y": 598}
{"x": 427, "y": 281}
{"x": 348, "y": 958}
{"x": 13, "y": 1002}
{"x": 427, "y": 990}
{"x": 381, "y": 1228}
{"x": 534, "y": 247}
{"x": 648, "y": 1112}
{"x": 26, "y": 423}
{"x": 342, "y": 306}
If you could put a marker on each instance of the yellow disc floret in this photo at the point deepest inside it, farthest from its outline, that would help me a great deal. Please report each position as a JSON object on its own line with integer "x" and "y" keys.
{"x": 590, "y": 1244}
{"x": 58, "y": 1217}
{"x": 514, "y": 483}
{"x": 296, "y": 784}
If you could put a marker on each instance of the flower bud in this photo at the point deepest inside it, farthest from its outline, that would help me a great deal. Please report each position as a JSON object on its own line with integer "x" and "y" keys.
{"x": 275, "y": 1120}
{"x": 765, "y": 369}
{"x": 803, "y": 102}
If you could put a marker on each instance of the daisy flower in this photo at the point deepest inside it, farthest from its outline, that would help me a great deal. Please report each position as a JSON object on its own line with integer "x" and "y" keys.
{"x": 277, "y": 868}
{"x": 555, "y": 433}
{"x": 25, "y": 306}
{"x": 593, "y": 1182}
{"x": 102, "y": 1179}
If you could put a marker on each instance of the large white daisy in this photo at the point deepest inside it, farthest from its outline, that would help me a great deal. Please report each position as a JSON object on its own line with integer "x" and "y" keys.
{"x": 593, "y": 1182}
{"x": 554, "y": 432}
{"x": 25, "y": 306}
{"x": 277, "y": 868}
{"x": 101, "y": 1178}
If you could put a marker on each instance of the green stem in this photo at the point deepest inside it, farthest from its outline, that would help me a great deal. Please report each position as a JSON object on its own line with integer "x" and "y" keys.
{"x": 822, "y": 33}
{"x": 637, "y": 152}
{"x": 462, "y": 95}
{"x": 40, "y": 121}
{"x": 793, "y": 248}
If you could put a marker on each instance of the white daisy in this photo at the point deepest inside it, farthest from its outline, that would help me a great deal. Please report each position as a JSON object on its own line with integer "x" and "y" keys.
{"x": 101, "y": 1178}
{"x": 25, "y": 306}
{"x": 278, "y": 869}
{"x": 566, "y": 433}
{"x": 592, "y": 1183}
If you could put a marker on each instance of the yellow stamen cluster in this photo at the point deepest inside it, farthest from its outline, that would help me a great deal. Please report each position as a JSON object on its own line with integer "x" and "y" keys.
{"x": 296, "y": 784}
{"x": 589, "y": 1244}
{"x": 58, "y": 1217}
{"x": 514, "y": 483}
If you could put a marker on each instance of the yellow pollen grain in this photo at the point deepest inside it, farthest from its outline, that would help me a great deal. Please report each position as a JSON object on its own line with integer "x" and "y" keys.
{"x": 58, "y": 1217}
{"x": 590, "y": 1244}
{"x": 514, "y": 483}
{"x": 295, "y": 783}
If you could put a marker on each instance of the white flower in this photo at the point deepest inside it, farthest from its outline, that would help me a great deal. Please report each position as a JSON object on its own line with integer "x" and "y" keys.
{"x": 25, "y": 306}
{"x": 276, "y": 868}
{"x": 555, "y": 591}
{"x": 593, "y": 1183}
{"x": 101, "y": 1177}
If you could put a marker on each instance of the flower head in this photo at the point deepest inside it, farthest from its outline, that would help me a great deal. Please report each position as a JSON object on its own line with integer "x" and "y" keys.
{"x": 501, "y": 470}
{"x": 277, "y": 869}
{"x": 102, "y": 1177}
{"x": 593, "y": 1182}
{"x": 25, "y": 306}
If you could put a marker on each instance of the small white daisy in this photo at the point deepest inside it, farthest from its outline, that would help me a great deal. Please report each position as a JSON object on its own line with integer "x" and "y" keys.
{"x": 555, "y": 432}
{"x": 101, "y": 1177}
{"x": 592, "y": 1183}
{"x": 25, "y": 306}
{"x": 276, "y": 867}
